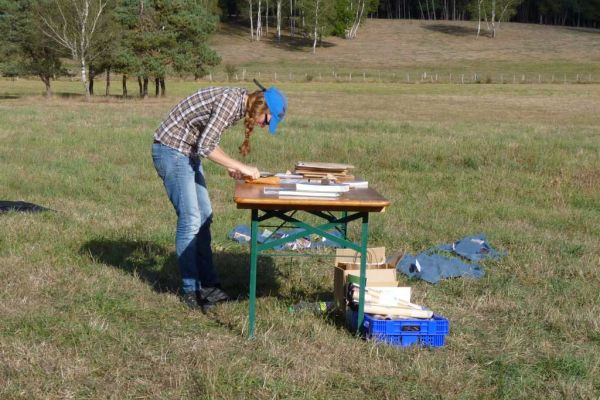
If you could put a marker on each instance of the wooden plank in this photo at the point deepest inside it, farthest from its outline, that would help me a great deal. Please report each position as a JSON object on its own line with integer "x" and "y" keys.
{"x": 248, "y": 196}
{"x": 323, "y": 166}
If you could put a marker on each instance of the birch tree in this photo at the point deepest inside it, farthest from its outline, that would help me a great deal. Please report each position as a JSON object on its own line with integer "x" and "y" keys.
{"x": 259, "y": 21}
{"x": 317, "y": 4}
{"x": 350, "y": 14}
{"x": 251, "y": 20}
{"x": 498, "y": 10}
{"x": 362, "y": 8}
{"x": 73, "y": 24}
{"x": 317, "y": 19}
{"x": 279, "y": 19}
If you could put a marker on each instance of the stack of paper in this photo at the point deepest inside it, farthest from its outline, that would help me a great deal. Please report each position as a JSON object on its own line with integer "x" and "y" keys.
{"x": 286, "y": 192}
{"x": 321, "y": 188}
{"x": 356, "y": 184}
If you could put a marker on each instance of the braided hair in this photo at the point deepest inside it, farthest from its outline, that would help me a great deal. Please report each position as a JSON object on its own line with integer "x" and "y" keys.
{"x": 255, "y": 106}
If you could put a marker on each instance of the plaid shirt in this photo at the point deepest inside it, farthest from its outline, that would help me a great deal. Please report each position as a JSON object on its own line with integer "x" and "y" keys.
{"x": 195, "y": 125}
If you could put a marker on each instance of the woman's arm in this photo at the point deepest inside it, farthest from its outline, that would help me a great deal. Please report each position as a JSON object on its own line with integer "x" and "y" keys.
{"x": 236, "y": 169}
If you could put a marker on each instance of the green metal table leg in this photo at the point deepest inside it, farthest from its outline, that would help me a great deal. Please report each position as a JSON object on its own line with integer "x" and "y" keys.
{"x": 345, "y": 226}
{"x": 363, "y": 271}
{"x": 253, "y": 267}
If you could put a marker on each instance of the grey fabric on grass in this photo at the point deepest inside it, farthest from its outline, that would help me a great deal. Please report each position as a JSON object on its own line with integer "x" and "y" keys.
{"x": 449, "y": 260}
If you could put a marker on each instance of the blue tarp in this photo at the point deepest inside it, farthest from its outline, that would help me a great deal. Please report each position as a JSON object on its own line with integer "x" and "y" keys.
{"x": 241, "y": 234}
{"x": 449, "y": 260}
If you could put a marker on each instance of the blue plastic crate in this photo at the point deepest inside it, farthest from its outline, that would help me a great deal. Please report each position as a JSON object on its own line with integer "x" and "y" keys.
{"x": 437, "y": 325}
{"x": 410, "y": 340}
{"x": 405, "y": 332}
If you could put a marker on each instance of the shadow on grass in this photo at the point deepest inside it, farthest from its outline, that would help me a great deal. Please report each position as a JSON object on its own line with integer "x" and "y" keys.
{"x": 241, "y": 28}
{"x": 453, "y": 30}
{"x": 68, "y": 95}
{"x": 9, "y": 96}
{"x": 296, "y": 43}
{"x": 157, "y": 266}
{"x": 582, "y": 29}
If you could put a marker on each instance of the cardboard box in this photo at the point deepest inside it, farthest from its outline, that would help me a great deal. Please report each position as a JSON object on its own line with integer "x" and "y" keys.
{"x": 375, "y": 257}
{"x": 347, "y": 262}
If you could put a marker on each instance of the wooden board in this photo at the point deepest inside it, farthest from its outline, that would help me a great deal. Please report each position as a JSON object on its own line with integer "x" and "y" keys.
{"x": 248, "y": 196}
{"x": 323, "y": 166}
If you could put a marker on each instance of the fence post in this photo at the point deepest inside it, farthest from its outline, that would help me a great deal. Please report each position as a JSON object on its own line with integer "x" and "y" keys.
{"x": 450, "y": 78}
{"x": 408, "y": 77}
{"x": 275, "y": 77}
{"x": 462, "y": 79}
{"x": 210, "y": 76}
{"x": 244, "y": 74}
{"x": 364, "y": 77}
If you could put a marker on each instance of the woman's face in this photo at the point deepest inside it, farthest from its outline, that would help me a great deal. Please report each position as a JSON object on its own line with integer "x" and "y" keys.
{"x": 263, "y": 119}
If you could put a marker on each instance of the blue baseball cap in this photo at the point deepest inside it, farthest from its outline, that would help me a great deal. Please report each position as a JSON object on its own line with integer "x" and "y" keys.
{"x": 277, "y": 104}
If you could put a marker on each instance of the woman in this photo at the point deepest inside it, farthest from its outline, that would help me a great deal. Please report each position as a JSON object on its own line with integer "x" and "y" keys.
{"x": 191, "y": 132}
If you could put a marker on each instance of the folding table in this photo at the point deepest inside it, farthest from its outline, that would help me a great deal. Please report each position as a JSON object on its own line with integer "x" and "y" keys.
{"x": 355, "y": 204}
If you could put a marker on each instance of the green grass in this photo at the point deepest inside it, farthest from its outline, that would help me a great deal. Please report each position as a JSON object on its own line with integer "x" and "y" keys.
{"x": 89, "y": 307}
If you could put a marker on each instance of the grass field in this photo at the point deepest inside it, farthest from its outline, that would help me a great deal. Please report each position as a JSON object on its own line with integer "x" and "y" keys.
{"x": 88, "y": 307}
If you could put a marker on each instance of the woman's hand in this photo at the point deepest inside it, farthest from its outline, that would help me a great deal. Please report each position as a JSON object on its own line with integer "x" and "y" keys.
{"x": 249, "y": 172}
{"x": 234, "y": 173}
{"x": 236, "y": 169}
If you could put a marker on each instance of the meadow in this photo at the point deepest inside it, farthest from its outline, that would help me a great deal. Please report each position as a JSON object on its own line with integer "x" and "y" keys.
{"x": 89, "y": 306}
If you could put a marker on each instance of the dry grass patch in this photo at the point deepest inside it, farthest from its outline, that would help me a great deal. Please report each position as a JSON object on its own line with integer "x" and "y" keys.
{"x": 438, "y": 45}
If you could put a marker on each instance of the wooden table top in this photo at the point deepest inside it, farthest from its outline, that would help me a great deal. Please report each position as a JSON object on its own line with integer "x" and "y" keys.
{"x": 252, "y": 196}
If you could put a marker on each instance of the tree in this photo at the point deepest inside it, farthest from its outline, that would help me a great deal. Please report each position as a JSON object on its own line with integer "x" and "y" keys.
{"x": 23, "y": 46}
{"x": 73, "y": 25}
{"x": 358, "y": 8}
{"x": 161, "y": 36}
{"x": 319, "y": 14}
{"x": 497, "y": 10}
{"x": 278, "y": 13}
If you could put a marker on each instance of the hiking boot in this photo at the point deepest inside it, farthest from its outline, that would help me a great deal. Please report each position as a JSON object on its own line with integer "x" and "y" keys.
{"x": 211, "y": 296}
{"x": 191, "y": 300}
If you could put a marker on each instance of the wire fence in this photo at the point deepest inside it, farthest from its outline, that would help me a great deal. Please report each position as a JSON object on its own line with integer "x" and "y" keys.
{"x": 408, "y": 77}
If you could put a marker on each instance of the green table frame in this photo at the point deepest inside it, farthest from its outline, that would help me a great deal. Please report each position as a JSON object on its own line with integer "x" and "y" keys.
{"x": 307, "y": 229}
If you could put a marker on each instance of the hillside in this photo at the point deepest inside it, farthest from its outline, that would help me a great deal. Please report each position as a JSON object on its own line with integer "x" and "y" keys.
{"x": 412, "y": 44}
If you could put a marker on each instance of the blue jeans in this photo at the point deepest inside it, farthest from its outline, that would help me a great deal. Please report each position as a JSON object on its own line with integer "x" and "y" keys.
{"x": 183, "y": 179}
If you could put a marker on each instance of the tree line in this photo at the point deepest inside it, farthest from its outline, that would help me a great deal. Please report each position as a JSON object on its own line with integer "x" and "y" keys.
{"x": 151, "y": 39}
{"x": 147, "y": 39}
{"x": 343, "y": 17}
{"x": 141, "y": 38}
{"x": 581, "y": 13}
